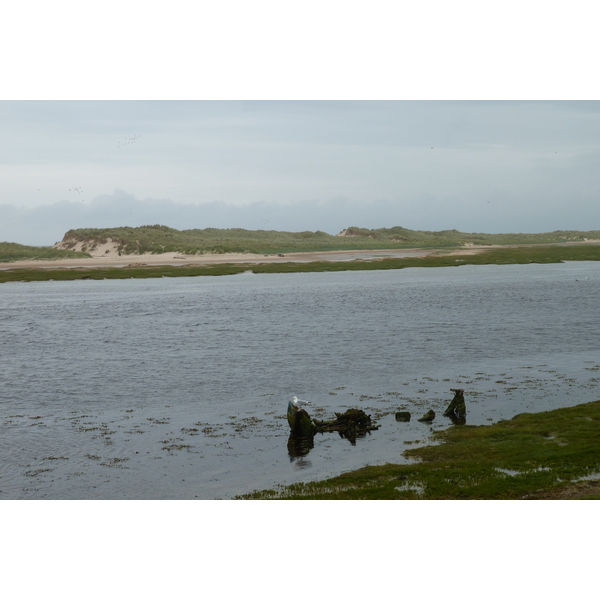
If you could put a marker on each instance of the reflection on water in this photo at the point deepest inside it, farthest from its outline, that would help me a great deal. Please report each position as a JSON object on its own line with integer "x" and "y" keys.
{"x": 298, "y": 447}
{"x": 353, "y": 433}
{"x": 457, "y": 420}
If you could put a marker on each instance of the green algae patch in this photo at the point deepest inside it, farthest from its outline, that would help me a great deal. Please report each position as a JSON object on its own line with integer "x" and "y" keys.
{"x": 555, "y": 454}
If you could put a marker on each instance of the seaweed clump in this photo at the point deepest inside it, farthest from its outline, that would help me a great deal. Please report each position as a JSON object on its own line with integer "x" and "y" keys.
{"x": 352, "y": 424}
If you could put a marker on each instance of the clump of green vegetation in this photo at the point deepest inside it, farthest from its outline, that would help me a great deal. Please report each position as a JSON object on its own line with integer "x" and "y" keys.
{"x": 555, "y": 454}
{"x": 10, "y": 252}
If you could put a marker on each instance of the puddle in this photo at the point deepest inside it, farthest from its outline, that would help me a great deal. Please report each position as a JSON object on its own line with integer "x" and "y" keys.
{"x": 512, "y": 473}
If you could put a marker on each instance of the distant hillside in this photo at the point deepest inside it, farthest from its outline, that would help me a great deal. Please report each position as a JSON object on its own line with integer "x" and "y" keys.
{"x": 157, "y": 239}
{"x": 452, "y": 237}
{"x": 10, "y": 252}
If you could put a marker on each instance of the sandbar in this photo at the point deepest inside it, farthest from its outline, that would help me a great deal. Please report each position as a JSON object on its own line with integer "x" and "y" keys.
{"x": 112, "y": 259}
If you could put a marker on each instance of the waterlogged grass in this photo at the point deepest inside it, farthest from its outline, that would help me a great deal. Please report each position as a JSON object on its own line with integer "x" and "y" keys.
{"x": 554, "y": 454}
{"x": 64, "y": 274}
{"x": 499, "y": 256}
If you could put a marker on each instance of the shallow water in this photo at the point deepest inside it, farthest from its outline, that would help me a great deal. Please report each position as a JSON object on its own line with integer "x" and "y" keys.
{"x": 178, "y": 388}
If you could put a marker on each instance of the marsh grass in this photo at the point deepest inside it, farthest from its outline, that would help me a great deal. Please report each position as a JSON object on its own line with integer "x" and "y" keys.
{"x": 530, "y": 456}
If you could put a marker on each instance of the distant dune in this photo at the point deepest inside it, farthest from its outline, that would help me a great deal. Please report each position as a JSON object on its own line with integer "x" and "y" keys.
{"x": 158, "y": 239}
{"x": 162, "y": 240}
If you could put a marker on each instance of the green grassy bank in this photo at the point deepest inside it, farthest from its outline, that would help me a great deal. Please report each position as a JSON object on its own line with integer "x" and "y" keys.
{"x": 550, "y": 455}
{"x": 497, "y": 256}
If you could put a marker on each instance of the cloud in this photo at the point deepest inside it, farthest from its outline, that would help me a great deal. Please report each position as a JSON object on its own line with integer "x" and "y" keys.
{"x": 46, "y": 224}
{"x": 489, "y": 210}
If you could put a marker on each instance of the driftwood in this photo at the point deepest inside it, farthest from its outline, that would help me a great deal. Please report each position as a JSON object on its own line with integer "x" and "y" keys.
{"x": 350, "y": 425}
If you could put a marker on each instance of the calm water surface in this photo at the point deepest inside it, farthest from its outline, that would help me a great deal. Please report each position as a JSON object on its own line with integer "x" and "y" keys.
{"x": 178, "y": 388}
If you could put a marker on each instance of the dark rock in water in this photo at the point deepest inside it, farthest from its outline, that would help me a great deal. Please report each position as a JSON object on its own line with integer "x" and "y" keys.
{"x": 428, "y": 417}
{"x": 403, "y": 416}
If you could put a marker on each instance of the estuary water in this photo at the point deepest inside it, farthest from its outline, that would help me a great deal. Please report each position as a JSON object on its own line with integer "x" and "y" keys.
{"x": 177, "y": 388}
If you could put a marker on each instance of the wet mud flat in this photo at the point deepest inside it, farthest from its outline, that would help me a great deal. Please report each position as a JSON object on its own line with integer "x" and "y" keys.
{"x": 179, "y": 451}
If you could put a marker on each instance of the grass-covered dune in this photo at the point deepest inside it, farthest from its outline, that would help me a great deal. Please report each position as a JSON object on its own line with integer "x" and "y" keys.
{"x": 549, "y": 455}
{"x": 157, "y": 239}
{"x": 10, "y": 252}
{"x": 452, "y": 237}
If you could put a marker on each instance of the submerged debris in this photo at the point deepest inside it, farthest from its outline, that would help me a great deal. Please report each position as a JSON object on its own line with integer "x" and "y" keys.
{"x": 350, "y": 425}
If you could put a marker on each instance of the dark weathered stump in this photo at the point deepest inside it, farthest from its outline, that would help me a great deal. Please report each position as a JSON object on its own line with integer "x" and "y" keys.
{"x": 457, "y": 408}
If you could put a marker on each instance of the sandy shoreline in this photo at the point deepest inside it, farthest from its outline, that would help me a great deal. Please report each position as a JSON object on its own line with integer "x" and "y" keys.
{"x": 174, "y": 258}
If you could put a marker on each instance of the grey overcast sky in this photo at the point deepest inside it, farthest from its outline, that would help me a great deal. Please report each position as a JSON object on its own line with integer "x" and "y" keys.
{"x": 484, "y": 166}
{"x": 369, "y": 123}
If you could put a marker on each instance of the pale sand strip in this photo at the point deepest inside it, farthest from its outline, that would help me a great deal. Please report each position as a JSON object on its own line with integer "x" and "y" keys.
{"x": 173, "y": 258}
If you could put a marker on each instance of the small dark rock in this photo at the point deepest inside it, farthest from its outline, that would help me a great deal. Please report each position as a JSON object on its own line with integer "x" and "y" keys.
{"x": 403, "y": 416}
